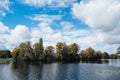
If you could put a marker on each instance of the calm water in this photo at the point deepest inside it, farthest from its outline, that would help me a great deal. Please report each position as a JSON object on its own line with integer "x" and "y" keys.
{"x": 57, "y": 71}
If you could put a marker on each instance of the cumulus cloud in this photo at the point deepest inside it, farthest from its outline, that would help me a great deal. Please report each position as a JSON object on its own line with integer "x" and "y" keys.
{"x": 102, "y": 16}
{"x": 3, "y": 35}
{"x": 50, "y": 3}
{"x": 3, "y": 28}
{"x": 19, "y": 34}
{"x": 10, "y": 38}
{"x": 50, "y": 36}
{"x": 4, "y": 6}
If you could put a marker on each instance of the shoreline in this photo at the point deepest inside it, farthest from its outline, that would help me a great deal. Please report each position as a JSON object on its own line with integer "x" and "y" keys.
{"x": 5, "y": 60}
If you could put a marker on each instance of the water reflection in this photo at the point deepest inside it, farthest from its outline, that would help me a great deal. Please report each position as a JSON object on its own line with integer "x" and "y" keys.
{"x": 38, "y": 71}
{"x": 103, "y": 61}
{"x": 60, "y": 71}
{"x": 114, "y": 62}
{"x": 27, "y": 71}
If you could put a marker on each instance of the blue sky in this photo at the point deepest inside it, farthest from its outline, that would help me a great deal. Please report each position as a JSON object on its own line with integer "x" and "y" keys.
{"x": 92, "y": 23}
{"x": 20, "y": 11}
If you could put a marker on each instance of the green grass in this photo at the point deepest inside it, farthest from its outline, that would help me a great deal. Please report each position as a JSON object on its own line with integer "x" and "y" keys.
{"x": 5, "y": 61}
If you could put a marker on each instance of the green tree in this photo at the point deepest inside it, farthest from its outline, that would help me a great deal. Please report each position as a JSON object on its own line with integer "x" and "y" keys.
{"x": 62, "y": 50}
{"x": 105, "y": 55}
{"x": 24, "y": 51}
{"x": 59, "y": 50}
{"x": 113, "y": 56}
{"x": 74, "y": 48}
{"x": 98, "y": 55}
{"x": 90, "y": 53}
{"x": 82, "y": 55}
{"x": 48, "y": 54}
{"x": 38, "y": 49}
{"x": 5, "y": 54}
{"x": 15, "y": 53}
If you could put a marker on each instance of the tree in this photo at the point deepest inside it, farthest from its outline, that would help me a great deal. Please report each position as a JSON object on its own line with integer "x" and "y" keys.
{"x": 74, "y": 48}
{"x": 48, "y": 54}
{"x": 98, "y": 55}
{"x": 113, "y": 56}
{"x": 38, "y": 49}
{"x": 105, "y": 55}
{"x": 5, "y": 54}
{"x": 82, "y": 55}
{"x": 59, "y": 50}
{"x": 23, "y": 52}
{"x": 49, "y": 50}
{"x": 62, "y": 50}
{"x": 15, "y": 53}
{"x": 90, "y": 53}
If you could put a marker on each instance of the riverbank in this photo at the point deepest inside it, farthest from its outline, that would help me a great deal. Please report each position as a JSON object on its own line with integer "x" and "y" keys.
{"x": 5, "y": 61}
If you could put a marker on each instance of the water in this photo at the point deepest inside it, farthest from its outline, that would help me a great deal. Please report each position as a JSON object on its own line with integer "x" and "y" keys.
{"x": 59, "y": 71}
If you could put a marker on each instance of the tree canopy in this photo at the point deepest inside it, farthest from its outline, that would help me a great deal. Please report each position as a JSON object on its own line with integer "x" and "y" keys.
{"x": 61, "y": 52}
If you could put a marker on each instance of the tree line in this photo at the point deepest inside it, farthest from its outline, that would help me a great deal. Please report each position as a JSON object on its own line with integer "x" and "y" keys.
{"x": 5, "y": 54}
{"x": 61, "y": 52}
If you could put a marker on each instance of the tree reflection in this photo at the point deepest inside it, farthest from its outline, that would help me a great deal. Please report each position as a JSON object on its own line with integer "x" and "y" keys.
{"x": 27, "y": 70}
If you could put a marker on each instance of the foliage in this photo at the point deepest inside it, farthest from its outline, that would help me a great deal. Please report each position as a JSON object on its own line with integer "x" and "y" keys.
{"x": 15, "y": 53}
{"x": 62, "y": 52}
{"x": 90, "y": 54}
{"x": 48, "y": 54}
{"x": 98, "y": 55}
{"x": 23, "y": 52}
{"x": 105, "y": 55}
{"x": 74, "y": 48}
{"x": 113, "y": 56}
{"x": 5, "y": 54}
{"x": 82, "y": 55}
{"x": 38, "y": 49}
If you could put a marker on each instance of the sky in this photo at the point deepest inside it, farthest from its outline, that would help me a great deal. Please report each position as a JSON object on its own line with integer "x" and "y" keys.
{"x": 90, "y": 23}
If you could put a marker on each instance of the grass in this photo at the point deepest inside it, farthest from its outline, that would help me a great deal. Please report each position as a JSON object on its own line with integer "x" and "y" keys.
{"x": 5, "y": 61}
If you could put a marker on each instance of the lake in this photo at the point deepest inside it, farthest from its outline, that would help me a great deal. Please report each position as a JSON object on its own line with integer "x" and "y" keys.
{"x": 108, "y": 70}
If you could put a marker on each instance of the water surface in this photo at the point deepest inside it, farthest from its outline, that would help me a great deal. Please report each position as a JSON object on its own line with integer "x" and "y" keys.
{"x": 61, "y": 71}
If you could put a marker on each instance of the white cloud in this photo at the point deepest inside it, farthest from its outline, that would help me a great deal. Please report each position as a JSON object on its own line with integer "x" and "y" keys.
{"x": 4, "y": 6}
{"x": 45, "y": 28}
{"x": 66, "y": 25}
{"x": 10, "y": 38}
{"x": 13, "y": 37}
{"x": 20, "y": 32}
{"x": 17, "y": 35}
{"x": 3, "y": 28}
{"x": 50, "y": 3}
{"x": 45, "y": 18}
{"x": 102, "y": 16}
